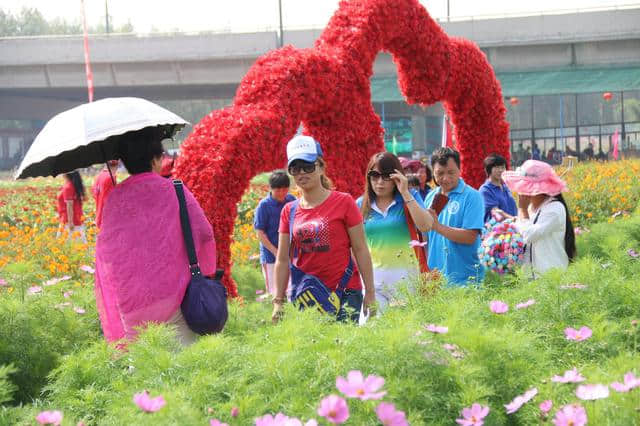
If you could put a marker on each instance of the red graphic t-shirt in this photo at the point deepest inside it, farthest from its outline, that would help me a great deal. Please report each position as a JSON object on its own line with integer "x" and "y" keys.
{"x": 68, "y": 192}
{"x": 321, "y": 239}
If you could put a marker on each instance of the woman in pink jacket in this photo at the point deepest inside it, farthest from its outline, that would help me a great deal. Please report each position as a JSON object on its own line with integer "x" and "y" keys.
{"x": 142, "y": 269}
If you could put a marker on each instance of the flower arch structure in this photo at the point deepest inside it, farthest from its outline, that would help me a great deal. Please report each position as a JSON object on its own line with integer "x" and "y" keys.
{"x": 326, "y": 88}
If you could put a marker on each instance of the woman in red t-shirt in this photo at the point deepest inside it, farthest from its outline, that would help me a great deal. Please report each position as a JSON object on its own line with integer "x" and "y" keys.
{"x": 327, "y": 228}
{"x": 70, "y": 200}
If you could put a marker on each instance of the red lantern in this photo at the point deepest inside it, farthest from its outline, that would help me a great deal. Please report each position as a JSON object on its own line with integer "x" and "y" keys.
{"x": 607, "y": 96}
{"x": 514, "y": 101}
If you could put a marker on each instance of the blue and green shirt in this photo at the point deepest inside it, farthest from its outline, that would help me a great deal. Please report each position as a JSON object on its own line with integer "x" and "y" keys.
{"x": 388, "y": 239}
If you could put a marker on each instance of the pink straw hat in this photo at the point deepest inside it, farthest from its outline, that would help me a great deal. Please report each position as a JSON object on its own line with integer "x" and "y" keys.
{"x": 533, "y": 178}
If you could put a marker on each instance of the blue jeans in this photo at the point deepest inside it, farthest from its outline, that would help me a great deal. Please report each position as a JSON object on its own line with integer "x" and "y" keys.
{"x": 350, "y": 305}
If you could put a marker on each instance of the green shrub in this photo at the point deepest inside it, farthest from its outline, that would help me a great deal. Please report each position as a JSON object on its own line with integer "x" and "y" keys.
{"x": 34, "y": 334}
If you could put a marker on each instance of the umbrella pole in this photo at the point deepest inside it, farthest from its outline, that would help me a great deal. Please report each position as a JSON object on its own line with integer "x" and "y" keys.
{"x": 110, "y": 174}
{"x": 106, "y": 163}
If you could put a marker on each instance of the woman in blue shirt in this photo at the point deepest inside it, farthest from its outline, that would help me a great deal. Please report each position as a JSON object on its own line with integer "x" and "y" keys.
{"x": 496, "y": 194}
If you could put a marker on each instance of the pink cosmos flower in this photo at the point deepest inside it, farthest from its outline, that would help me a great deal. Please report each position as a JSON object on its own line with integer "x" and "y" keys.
{"x": 216, "y": 422}
{"x": 545, "y": 406}
{"x": 630, "y": 382}
{"x": 49, "y": 418}
{"x": 88, "y": 269}
{"x": 235, "y": 412}
{"x": 577, "y": 335}
{"x": 571, "y": 415}
{"x": 578, "y": 231}
{"x": 80, "y": 424}
{"x": 577, "y": 286}
{"x": 389, "y": 416}
{"x": 438, "y": 329}
{"x": 3, "y": 282}
{"x": 67, "y": 294}
{"x": 259, "y": 291}
{"x": 269, "y": 420}
{"x": 53, "y": 281}
{"x": 34, "y": 289}
{"x": 570, "y": 376}
{"x": 498, "y": 307}
{"x": 356, "y": 386}
{"x": 414, "y": 243}
{"x": 474, "y": 415}
{"x": 634, "y": 254}
{"x": 591, "y": 392}
{"x": 525, "y": 304}
{"x": 454, "y": 350}
{"x": 282, "y": 420}
{"x": 78, "y": 310}
{"x": 334, "y": 409}
{"x": 145, "y": 403}
{"x": 520, "y": 400}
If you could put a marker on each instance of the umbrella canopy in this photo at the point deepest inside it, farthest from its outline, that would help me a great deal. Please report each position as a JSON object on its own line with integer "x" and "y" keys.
{"x": 89, "y": 134}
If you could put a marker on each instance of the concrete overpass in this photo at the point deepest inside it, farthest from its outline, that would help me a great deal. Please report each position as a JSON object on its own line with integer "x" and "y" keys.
{"x": 41, "y": 76}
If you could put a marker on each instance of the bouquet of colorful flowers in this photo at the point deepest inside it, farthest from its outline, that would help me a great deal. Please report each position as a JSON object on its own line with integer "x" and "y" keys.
{"x": 502, "y": 246}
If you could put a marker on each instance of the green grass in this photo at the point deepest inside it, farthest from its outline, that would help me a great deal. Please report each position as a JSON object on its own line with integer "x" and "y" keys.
{"x": 261, "y": 368}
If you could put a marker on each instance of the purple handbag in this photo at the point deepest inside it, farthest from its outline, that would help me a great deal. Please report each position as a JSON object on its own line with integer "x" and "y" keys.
{"x": 204, "y": 306}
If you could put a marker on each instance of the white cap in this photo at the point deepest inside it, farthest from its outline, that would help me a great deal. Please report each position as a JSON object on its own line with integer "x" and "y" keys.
{"x": 303, "y": 148}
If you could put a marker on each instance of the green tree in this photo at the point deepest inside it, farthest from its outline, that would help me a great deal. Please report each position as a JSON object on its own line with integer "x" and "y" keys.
{"x": 30, "y": 22}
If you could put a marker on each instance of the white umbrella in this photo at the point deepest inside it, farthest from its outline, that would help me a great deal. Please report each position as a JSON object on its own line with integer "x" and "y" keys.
{"x": 89, "y": 134}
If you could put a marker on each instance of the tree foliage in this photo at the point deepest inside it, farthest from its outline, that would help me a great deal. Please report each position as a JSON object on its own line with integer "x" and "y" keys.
{"x": 30, "y": 22}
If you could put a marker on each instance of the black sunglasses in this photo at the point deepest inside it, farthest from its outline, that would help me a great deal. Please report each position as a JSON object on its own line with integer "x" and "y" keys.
{"x": 374, "y": 175}
{"x": 301, "y": 166}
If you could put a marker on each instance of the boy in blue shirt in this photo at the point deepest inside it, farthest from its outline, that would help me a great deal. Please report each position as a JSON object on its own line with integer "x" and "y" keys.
{"x": 266, "y": 223}
{"x": 494, "y": 191}
{"x": 455, "y": 236}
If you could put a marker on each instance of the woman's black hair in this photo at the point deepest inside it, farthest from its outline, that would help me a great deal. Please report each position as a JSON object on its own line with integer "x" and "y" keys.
{"x": 138, "y": 149}
{"x": 429, "y": 172}
{"x": 493, "y": 160}
{"x": 569, "y": 234}
{"x": 386, "y": 163}
{"x": 76, "y": 180}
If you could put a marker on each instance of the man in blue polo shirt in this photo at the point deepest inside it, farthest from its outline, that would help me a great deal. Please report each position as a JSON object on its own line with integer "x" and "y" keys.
{"x": 455, "y": 236}
{"x": 494, "y": 191}
{"x": 266, "y": 222}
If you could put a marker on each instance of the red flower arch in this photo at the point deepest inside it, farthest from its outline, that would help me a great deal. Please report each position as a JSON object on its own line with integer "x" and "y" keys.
{"x": 326, "y": 88}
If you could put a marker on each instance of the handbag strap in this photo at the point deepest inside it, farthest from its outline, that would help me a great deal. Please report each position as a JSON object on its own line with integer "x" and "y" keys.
{"x": 194, "y": 267}
{"x": 348, "y": 273}
{"x": 416, "y": 236}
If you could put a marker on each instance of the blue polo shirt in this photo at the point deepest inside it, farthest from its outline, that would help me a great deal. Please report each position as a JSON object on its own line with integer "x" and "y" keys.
{"x": 496, "y": 196}
{"x": 267, "y": 219}
{"x": 458, "y": 262}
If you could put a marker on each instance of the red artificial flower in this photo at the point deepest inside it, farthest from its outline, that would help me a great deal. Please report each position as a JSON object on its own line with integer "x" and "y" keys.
{"x": 326, "y": 89}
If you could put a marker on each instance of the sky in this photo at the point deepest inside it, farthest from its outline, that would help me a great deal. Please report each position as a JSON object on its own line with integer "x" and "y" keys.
{"x": 259, "y": 15}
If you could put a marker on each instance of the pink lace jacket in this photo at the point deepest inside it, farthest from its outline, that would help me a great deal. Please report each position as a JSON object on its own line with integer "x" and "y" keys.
{"x": 142, "y": 269}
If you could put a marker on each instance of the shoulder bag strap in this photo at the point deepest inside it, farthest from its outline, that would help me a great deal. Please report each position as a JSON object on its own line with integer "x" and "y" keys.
{"x": 186, "y": 229}
{"x": 416, "y": 236}
{"x": 292, "y": 215}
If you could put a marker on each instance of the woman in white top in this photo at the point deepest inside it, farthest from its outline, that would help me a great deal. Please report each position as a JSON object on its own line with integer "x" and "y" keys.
{"x": 543, "y": 216}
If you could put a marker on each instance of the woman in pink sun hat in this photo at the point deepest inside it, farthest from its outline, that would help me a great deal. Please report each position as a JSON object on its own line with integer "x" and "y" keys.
{"x": 543, "y": 216}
